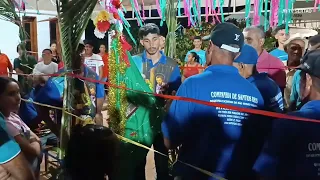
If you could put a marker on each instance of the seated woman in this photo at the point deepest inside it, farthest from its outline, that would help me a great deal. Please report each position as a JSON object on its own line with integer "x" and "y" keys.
{"x": 192, "y": 67}
{"x": 92, "y": 153}
{"x": 27, "y": 140}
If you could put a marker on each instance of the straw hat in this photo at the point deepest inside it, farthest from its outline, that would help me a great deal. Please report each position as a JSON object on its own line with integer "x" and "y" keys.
{"x": 293, "y": 37}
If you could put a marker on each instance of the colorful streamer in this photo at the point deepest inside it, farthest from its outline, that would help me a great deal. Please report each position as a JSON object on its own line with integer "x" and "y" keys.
{"x": 215, "y": 15}
{"x": 256, "y": 18}
{"x": 158, "y": 8}
{"x": 206, "y": 10}
{"x": 221, "y": 7}
{"x": 266, "y": 15}
{"x": 247, "y": 12}
{"x": 179, "y": 7}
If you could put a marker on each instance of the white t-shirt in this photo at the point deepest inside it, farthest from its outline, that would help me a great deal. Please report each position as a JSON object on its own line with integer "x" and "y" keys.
{"x": 42, "y": 68}
{"x": 94, "y": 62}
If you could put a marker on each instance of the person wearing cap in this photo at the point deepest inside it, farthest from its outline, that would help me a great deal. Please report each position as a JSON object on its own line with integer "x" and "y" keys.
{"x": 295, "y": 101}
{"x": 281, "y": 36}
{"x": 314, "y": 42}
{"x": 214, "y": 138}
{"x": 255, "y": 37}
{"x": 295, "y": 47}
{"x": 292, "y": 148}
{"x": 197, "y": 42}
{"x": 246, "y": 64}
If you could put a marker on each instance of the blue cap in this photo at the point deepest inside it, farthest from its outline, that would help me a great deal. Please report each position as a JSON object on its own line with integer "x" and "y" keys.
{"x": 248, "y": 55}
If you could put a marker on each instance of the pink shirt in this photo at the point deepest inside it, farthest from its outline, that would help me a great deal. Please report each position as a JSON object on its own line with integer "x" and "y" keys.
{"x": 16, "y": 126}
{"x": 273, "y": 66}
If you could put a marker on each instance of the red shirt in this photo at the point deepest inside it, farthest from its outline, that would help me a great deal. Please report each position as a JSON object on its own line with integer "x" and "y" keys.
{"x": 5, "y": 64}
{"x": 273, "y": 66}
{"x": 192, "y": 70}
{"x": 105, "y": 58}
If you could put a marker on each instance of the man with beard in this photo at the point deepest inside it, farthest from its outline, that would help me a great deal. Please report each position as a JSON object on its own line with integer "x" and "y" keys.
{"x": 292, "y": 147}
{"x": 255, "y": 37}
{"x": 153, "y": 63}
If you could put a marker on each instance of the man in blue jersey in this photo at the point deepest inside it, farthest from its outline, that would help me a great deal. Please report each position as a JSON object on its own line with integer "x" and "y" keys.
{"x": 270, "y": 91}
{"x": 162, "y": 74}
{"x": 197, "y": 42}
{"x": 281, "y": 37}
{"x": 13, "y": 164}
{"x": 213, "y": 138}
{"x": 292, "y": 149}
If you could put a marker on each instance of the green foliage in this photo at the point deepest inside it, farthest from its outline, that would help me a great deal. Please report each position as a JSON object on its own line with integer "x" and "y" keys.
{"x": 8, "y": 13}
{"x": 185, "y": 41}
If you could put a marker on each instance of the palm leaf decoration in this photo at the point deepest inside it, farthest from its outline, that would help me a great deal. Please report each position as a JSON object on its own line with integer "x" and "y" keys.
{"x": 8, "y": 13}
{"x": 73, "y": 17}
{"x": 171, "y": 19}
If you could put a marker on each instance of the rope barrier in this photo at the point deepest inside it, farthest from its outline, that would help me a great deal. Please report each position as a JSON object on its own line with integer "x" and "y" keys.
{"x": 179, "y": 98}
{"x": 129, "y": 140}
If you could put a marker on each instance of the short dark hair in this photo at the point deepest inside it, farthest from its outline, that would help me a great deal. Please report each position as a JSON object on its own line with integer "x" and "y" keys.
{"x": 197, "y": 37}
{"x": 196, "y": 56}
{"x": 88, "y": 41}
{"x": 278, "y": 28}
{"x": 18, "y": 47}
{"x": 53, "y": 42}
{"x": 314, "y": 40}
{"x": 4, "y": 81}
{"x": 149, "y": 28}
{"x": 47, "y": 50}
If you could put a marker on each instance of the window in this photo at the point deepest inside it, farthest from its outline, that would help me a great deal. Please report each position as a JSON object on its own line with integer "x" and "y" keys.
{"x": 30, "y": 25}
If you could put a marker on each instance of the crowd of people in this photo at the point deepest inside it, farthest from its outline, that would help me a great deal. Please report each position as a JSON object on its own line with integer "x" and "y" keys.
{"x": 235, "y": 69}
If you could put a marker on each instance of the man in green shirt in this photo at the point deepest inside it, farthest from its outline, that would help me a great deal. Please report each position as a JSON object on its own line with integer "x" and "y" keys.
{"x": 24, "y": 67}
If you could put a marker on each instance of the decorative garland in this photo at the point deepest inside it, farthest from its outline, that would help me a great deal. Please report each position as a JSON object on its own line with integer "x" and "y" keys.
{"x": 118, "y": 63}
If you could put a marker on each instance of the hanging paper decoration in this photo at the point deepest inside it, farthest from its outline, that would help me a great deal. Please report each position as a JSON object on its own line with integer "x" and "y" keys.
{"x": 99, "y": 34}
{"x": 256, "y": 18}
{"x": 20, "y": 5}
{"x": 116, "y": 4}
{"x": 118, "y": 63}
{"x": 102, "y": 21}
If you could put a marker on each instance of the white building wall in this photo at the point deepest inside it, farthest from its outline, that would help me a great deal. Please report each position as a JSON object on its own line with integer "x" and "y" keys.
{"x": 9, "y": 33}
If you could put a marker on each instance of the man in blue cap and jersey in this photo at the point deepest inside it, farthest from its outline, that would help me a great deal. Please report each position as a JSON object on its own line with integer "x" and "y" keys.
{"x": 292, "y": 149}
{"x": 246, "y": 64}
{"x": 214, "y": 138}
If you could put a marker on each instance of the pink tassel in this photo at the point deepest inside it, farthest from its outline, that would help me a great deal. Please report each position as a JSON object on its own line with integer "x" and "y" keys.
{"x": 143, "y": 14}
{"x": 186, "y": 11}
{"x": 136, "y": 5}
{"x": 158, "y": 8}
{"x": 206, "y": 10}
{"x": 256, "y": 18}
{"x": 274, "y": 13}
{"x": 316, "y": 3}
